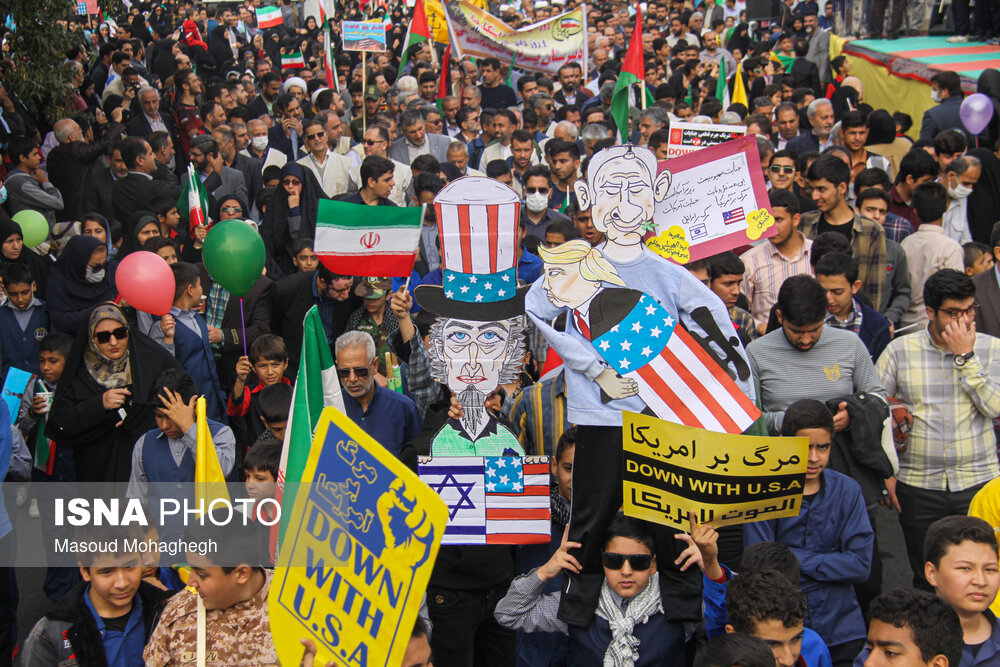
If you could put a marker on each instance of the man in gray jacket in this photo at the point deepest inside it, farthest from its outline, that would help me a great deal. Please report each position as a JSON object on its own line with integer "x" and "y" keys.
{"x": 27, "y": 185}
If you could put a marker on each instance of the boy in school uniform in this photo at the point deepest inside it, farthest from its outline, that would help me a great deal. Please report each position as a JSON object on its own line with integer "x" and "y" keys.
{"x": 23, "y": 320}
{"x": 185, "y": 334}
{"x": 267, "y": 361}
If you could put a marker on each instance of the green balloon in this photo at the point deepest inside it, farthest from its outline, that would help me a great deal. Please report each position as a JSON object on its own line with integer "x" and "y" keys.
{"x": 234, "y": 255}
{"x": 34, "y": 226}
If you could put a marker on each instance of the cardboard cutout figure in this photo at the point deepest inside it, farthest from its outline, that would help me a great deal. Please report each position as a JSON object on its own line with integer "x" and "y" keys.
{"x": 477, "y": 465}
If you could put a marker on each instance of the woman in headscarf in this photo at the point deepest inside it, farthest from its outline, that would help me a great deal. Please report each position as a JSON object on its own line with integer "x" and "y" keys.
{"x": 143, "y": 226}
{"x": 81, "y": 278}
{"x": 102, "y": 404}
{"x": 989, "y": 85}
{"x": 12, "y": 251}
{"x": 882, "y": 139}
{"x": 291, "y": 214}
{"x": 847, "y": 97}
{"x": 740, "y": 38}
{"x": 984, "y": 202}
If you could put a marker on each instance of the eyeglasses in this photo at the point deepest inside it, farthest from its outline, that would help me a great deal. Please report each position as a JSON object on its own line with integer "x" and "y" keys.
{"x": 638, "y": 562}
{"x": 232, "y": 209}
{"x": 777, "y": 169}
{"x": 955, "y": 313}
{"x": 372, "y": 142}
{"x": 102, "y": 337}
{"x": 317, "y": 135}
{"x": 345, "y": 373}
{"x": 532, "y": 191}
{"x": 291, "y": 181}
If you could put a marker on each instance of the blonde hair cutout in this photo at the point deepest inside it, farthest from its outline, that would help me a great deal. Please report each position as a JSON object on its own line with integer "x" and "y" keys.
{"x": 593, "y": 266}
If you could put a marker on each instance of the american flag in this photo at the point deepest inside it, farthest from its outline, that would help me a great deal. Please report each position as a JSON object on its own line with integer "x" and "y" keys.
{"x": 677, "y": 379}
{"x": 492, "y": 499}
{"x": 729, "y": 217}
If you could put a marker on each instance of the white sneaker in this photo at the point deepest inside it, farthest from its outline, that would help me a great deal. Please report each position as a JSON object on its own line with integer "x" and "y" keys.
{"x": 33, "y": 509}
{"x": 22, "y": 494}
{"x": 958, "y": 39}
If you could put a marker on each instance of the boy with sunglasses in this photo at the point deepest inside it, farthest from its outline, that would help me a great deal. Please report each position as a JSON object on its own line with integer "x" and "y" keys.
{"x": 629, "y": 624}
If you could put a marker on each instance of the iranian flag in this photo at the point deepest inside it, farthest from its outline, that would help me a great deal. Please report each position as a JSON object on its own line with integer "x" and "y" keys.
{"x": 419, "y": 31}
{"x": 633, "y": 71}
{"x": 292, "y": 61}
{"x": 316, "y": 387}
{"x": 193, "y": 201}
{"x": 268, "y": 17}
{"x": 359, "y": 240}
{"x": 722, "y": 85}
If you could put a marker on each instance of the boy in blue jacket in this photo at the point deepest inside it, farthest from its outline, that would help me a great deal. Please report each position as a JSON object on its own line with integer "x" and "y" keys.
{"x": 832, "y": 536}
{"x": 23, "y": 320}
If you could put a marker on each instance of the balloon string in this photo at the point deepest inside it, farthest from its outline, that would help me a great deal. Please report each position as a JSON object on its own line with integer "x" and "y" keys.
{"x": 243, "y": 323}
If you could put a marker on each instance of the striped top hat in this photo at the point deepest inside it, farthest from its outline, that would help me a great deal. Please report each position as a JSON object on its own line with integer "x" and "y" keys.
{"x": 478, "y": 230}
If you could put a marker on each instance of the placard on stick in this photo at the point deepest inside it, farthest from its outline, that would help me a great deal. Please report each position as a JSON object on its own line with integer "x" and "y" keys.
{"x": 363, "y": 36}
{"x": 724, "y": 479}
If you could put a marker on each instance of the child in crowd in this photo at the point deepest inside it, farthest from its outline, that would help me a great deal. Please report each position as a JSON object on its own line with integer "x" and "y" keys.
{"x": 105, "y": 620}
{"x": 303, "y": 257}
{"x": 274, "y": 401}
{"x": 23, "y": 320}
{"x": 629, "y": 623}
{"x": 261, "y": 469}
{"x": 163, "y": 246}
{"x": 962, "y": 566}
{"x": 166, "y": 454}
{"x": 268, "y": 360}
{"x": 911, "y": 627}
{"x": 764, "y": 604}
{"x": 185, "y": 334}
{"x": 831, "y": 536}
{"x": 234, "y": 588}
{"x": 734, "y": 650}
{"x": 978, "y": 258}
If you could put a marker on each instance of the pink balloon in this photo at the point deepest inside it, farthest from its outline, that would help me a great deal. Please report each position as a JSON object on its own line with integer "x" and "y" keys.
{"x": 145, "y": 281}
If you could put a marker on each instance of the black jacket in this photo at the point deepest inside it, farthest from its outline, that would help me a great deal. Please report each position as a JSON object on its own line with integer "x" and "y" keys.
{"x": 135, "y": 192}
{"x": 857, "y": 452}
{"x": 71, "y": 165}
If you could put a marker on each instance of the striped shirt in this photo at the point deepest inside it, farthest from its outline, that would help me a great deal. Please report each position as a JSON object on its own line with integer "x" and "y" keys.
{"x": 538, "y": 415}
{"x": 952, "y": 446}
{"x": 837, "y": 365}
{"x": 767, "y": 268}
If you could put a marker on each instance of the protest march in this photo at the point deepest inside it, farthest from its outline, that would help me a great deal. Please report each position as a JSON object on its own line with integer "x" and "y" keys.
{"x": 307, "y": 308}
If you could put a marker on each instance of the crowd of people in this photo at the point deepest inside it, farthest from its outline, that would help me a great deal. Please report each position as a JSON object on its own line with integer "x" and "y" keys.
{"x": 870, "y": 321}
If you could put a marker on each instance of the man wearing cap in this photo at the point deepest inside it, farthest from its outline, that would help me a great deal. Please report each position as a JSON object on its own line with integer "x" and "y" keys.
{"x": 372, "y": 102}
{"x": 373, "y": 317}
{"x": 620, "y": 191}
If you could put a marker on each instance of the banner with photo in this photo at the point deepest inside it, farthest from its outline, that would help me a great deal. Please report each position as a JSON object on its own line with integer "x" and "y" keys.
{"x": 541, "y": 47}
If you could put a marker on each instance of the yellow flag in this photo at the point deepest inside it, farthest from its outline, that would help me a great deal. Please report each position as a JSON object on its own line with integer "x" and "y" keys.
{"x": 209, "y": 480}
{"x": 739, "y": 89}
{"x": 436, "y": 21}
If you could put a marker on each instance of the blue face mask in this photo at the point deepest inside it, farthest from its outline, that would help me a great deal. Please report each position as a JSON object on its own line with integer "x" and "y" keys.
{"x": 3, "y": 193}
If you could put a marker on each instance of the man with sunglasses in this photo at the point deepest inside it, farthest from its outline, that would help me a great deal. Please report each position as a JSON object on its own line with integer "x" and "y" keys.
{"x": 950, "y": 379}
{"x": 388, "y": 416}
{"x": 333, "y": 171}
{"x": 629, "y": 621}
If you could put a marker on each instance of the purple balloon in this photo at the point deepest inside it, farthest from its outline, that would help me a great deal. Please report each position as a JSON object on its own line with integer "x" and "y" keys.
{"x": 976, "y": 112}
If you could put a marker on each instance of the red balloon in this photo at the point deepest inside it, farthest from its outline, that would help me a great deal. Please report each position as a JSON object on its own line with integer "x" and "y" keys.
{"x": 145, "y": 281}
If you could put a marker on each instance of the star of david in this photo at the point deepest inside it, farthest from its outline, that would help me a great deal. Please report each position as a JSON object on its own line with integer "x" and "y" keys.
{"x": 464, "y": 489}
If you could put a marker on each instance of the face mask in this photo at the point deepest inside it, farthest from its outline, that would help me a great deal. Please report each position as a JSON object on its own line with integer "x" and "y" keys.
{"x": 959, "y": 192}
{"x": 537, "y": 202}
{"x": 935, "y": 95}
{"x": 113, "y": 252}
{"x": 93, "y": 276}
{"x": 259, "y": 143}
{"x": 3, "y": 193}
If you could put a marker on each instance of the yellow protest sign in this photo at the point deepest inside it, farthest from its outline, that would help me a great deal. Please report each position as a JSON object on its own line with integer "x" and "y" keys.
{"x": 725, "y": 479}
{"x": 436, "y": 21}
{"x": 363, "y": 535}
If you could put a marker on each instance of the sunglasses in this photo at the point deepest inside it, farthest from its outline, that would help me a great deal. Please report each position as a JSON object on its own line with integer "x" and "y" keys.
{"x": 231, "y": 209}
{"x": 370, "y": 142}
{"x": 777, "y": 169}
{"x": 121, "y": 333}
{"x": 532, "y": 191}
{"x": 345, "y": 373}
{"x": 291, "y": 182}
{"x": 317, "y": 135}
{"x": 638, "y": 562}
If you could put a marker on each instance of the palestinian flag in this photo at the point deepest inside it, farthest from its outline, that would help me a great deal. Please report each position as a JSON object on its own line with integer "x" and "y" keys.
{"x": 633, "y": 71}
{"x": 292, "y": 61}
{"x": 359, "y": 240}
{"x": 722, "y": 85}
{"x": 418, "y": 32}
{"x": 316, "y": 387}
{"x": 268, "y": 17}
{"x": 193, "y": 202}
{"x": 445, "y": 83}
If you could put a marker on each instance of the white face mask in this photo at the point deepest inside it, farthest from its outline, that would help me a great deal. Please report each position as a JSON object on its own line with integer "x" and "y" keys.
{"x": 537, "y": 202}
{"x": 935, "y": 95}
{"x": 259, "y": 143}
{"x": 93, "y": 276}
{"x": 959, "y": 192}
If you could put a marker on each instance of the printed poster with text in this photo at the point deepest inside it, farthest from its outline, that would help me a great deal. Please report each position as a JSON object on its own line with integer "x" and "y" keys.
{"x": 361, "y": 544}
{"x": 724, "y": 479}
{"x": 717, "y": 201}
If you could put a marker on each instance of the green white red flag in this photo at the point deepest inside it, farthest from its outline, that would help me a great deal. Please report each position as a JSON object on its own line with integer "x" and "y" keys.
{"x": 359, "y": 240}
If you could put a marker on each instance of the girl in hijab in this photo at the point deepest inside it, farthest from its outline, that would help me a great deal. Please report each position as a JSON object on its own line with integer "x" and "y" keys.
{"x": 882, "y": 139}
{"x": 12, "y": 251}
{"x": 740, "y": 38}
{"x": 81, "y": 278}
{"x": 145, "y": 225}
{"x": 291, "y": 214}
{"x": 102, "y": 404}
{"x": 847, "y": 97}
